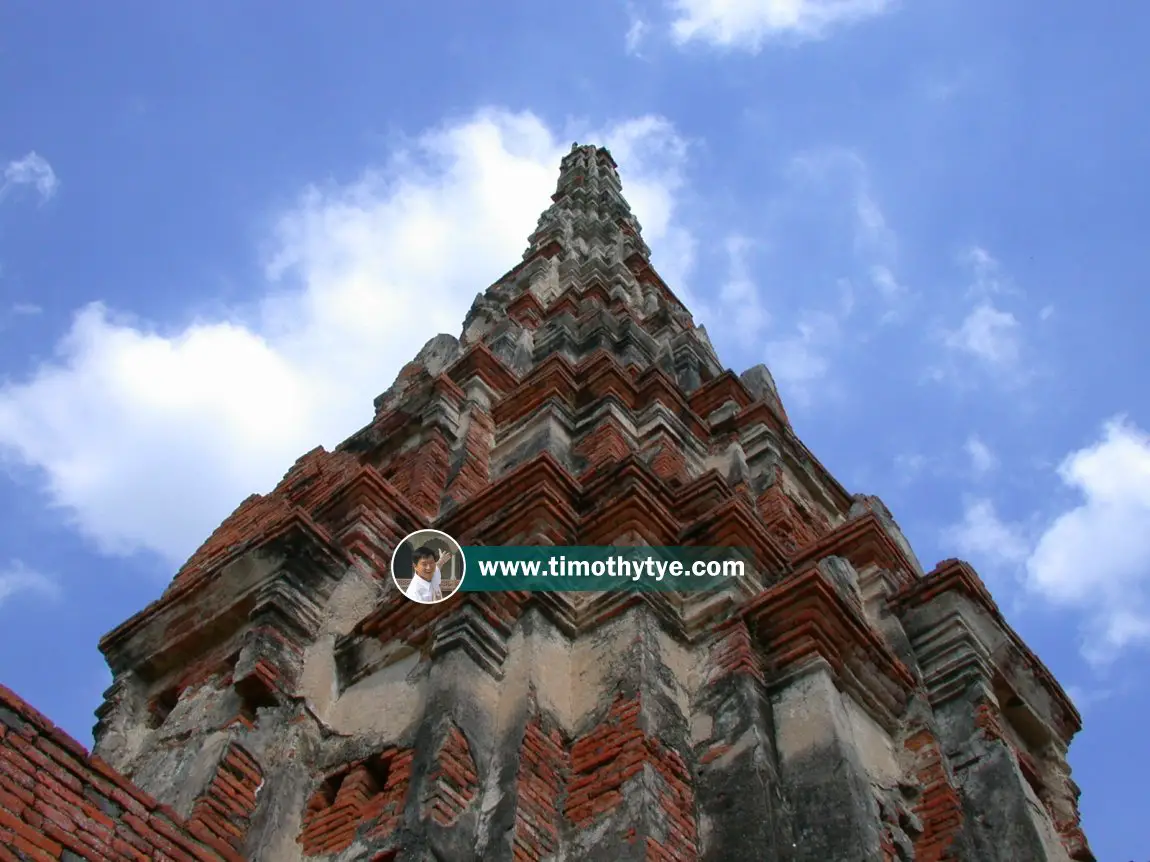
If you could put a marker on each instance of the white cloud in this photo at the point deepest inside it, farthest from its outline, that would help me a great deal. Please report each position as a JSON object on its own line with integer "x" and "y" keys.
{"x": 988, "y": 334}
{"x": 884, "y": 281}
{"x": 825, "y": 211}
{"x": 740, "y": 292}
{"x": 148, "y": 435}
{"x": 749, "y": 24}
{"x": 982, "y": 459}
{"x": 31, "y": 170}
{"x": 18, "y": 578}
{"x": 1094, "y": 557}
{"x": 989, "y": 337}
{"x": 986, "y": 538}
{"x": 802, "y": 358}
{"x": 909, "y": 466}
{"x": 839, "y": 180}
{"x": 988, "y": 277}
{"x": 636, "y": 33}
{"x": 871, "y": 232}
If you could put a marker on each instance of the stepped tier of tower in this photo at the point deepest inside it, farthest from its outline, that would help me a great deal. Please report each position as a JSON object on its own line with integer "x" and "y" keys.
{"x": 838, "y": 703}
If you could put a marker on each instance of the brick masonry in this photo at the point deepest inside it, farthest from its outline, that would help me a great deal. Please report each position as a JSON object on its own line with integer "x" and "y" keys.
{"x": 59, "y": 802}
{"x": 283, "y": 701}
{"x": 364, "y": 797}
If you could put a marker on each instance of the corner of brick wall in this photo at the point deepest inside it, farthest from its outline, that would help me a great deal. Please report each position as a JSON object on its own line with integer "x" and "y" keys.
{"x": 59, "y": 802}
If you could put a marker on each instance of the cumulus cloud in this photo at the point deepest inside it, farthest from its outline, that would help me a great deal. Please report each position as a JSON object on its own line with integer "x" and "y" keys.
{"x": 750, "y": 24}
{"x": 982, "y": 459}
{"x": 18, "y": 578}
{"x": 988, "y": 334}
{"x": 986, "y": 538}
{"x": 800, "y": 359}
{"x": 989, "y": 338}
{"x": 637, "y": 31}
{"x": 1093, "y": 558}
{"x": 1096, "y": 555}
{"x": 146, "y": 435}
{"x": 31, "y": 170}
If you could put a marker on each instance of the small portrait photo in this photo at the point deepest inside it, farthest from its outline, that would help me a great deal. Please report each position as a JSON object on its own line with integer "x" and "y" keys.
{"x": 428, "y": 566}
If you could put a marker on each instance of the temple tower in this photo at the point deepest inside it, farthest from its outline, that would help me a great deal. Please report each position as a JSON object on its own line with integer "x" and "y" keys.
{"x": 839, "y": 703}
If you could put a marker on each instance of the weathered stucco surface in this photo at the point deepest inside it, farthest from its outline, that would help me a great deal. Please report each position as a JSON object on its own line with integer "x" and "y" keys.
{"x": 839, "y": 703}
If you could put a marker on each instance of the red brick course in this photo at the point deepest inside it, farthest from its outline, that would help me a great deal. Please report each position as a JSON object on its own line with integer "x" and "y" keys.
{"x": 368, "y": 794}
{"x": 56, "y": 798}
{"x": 616, "y": 751}
{"x": 734, "y": 653}
{"x": 453, "y": 782}
{"x": 225, "y": 809}
{"x": 539, "y": 785}
{"x": 606, "y": 443}
{"x": 475, "y": 472}
{"x": 939, "y": 807}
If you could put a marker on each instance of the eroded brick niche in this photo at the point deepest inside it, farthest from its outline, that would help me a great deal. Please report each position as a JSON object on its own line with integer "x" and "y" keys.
{"x": 453, "y": 783}
{"x": 366, "y": 794}
{"x": 256, "y": 690}
{"x": 224, "y": 811}
{"x": 574, "y": 784}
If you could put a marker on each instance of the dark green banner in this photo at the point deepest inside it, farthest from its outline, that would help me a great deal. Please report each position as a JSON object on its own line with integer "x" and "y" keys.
{"x": 596, "y": 569}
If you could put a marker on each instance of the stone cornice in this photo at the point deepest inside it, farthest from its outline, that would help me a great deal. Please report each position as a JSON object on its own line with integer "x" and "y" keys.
{"x": 805, "y": 619}
{"x": 839, "y": 494}
{"x": 598, "y": 376}
{"x": 368, "y": 490}
{"x": 646, "y": 274}
{"x": 756, "y": 413}
{"x": 864, "y": 542}
{"x": 540, "y": 485}
{"x": 182, "y": 614}
{"x": 479, "y": 361}
{"x": 952, "y": 658}
{"x": 717, "y": 391}
{"x": 734, "y": 524}
{"x": 958, "y": 577}
{"x": 637, "y": 502}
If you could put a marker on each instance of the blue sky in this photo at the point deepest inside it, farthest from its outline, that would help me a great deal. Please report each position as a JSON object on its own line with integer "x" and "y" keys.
{"x": 217, "y": 222}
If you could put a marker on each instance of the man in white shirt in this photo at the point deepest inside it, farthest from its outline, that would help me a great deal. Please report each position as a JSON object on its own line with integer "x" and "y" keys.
{"x": 424, "y": 586}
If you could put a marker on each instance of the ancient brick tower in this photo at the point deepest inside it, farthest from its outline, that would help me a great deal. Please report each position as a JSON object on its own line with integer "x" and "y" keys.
{"x": 284, "y": 701}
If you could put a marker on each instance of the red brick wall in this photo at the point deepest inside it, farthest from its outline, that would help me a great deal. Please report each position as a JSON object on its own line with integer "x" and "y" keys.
{"x": 615, "y": 751}
{"x": 939, "y": 808}
{"x": 453, "y": 783}
{"x": 542, "y": 768}
{"x": 361, "y": 793}
{"x": 59, "y": 802}
{"x": 225, "y": 809}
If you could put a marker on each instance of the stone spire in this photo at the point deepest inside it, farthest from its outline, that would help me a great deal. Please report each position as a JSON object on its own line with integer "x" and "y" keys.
{"x": 284, "y": 701}
{"x": 589, "y": 215}
{"x": 587, "y": 259}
